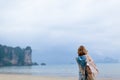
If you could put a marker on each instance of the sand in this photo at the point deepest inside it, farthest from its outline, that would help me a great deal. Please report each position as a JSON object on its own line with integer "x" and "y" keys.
{"x": 32, "y": 77}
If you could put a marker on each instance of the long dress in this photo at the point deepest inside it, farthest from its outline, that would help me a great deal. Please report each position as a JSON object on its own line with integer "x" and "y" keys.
{"x": 90, "y": 71}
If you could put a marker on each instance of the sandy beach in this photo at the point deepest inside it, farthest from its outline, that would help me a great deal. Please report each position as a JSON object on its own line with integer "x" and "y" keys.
{"x": 32, "y": 77}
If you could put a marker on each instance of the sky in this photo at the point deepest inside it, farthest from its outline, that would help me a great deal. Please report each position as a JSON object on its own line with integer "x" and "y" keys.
{"x": 56, "y": 28}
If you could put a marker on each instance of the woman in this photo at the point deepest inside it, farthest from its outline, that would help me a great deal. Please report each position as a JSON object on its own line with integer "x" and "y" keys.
{"x": 87, "y": 68}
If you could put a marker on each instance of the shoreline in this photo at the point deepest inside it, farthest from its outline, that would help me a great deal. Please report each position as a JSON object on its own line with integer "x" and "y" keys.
{"x": 38, "y": 77}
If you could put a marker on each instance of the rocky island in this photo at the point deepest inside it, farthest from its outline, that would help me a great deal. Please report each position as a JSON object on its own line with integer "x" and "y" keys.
{"x": 16, "y": 56}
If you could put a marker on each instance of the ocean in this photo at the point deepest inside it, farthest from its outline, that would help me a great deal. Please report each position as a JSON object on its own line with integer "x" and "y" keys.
{"x": 108, "y": 70}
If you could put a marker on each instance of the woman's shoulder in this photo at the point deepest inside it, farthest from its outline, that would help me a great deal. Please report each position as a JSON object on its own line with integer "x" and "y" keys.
{"x": 88, "y": 57}
{"x": 83, "y": 56}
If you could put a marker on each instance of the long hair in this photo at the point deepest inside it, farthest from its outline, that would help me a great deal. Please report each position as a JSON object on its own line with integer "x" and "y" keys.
{"x": 82, "y": 50}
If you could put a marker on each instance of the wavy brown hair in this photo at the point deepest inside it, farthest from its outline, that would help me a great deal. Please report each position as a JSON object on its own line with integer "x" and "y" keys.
{"x": 82, "y": 50}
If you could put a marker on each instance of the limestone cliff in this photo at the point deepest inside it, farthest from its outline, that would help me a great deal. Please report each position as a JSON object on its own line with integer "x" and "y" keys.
{"x": 27, "y": 56}
{"x": 15, "y": 56}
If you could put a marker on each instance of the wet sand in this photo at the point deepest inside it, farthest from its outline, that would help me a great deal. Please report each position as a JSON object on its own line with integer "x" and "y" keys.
{"x": 33, "y": 77}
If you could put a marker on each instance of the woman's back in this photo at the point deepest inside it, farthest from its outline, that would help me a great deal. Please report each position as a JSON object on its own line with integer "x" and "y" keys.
{"x": 87, "y": 67}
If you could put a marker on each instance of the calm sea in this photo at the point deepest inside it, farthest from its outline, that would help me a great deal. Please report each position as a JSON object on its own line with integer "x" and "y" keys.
{"x": 105, "y": 70}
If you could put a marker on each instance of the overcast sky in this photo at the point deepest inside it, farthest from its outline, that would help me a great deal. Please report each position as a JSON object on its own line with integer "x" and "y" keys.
{"x": 56, "y": 28}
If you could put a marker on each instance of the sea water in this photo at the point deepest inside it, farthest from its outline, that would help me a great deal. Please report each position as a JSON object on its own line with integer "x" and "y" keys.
{"x": 108, "y": 70}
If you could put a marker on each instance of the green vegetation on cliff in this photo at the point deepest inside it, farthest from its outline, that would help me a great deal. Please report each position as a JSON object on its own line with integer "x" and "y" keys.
{"x": 15, "y": 56}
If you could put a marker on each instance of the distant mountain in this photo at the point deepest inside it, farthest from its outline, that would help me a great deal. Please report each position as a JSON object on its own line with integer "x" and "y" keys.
{"x": 106, "y": 60}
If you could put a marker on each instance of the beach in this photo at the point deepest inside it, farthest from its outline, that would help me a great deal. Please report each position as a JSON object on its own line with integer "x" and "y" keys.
{"x": 56, "y": 72}
{"x": 33, "y": 77}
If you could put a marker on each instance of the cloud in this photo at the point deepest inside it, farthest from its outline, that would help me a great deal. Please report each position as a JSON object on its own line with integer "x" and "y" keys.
{"x": 59, "y": 13}
{"x": 55, "y": 23}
